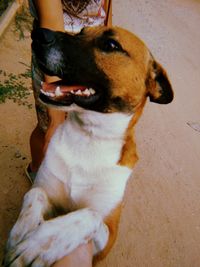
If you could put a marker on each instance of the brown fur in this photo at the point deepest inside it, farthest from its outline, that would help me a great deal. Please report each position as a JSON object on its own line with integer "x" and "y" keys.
{"x": 132, "y": 75}
{"x": 131, "y": 71}
{"x": 112, "y": 221}
{"x": 133, "y": 80}
{"x": 129, "y": 155}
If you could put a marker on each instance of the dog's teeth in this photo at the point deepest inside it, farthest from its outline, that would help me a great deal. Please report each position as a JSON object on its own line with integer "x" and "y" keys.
{"x": 58, "y": 91}
{"x": 43, "y": 92}
{"x": 51, "y": 94}
{"x": 86, "y": 92}
{"x": 92, "y": 91}
{"x": 78, "y": 92}
{"x": 47, "y": 93}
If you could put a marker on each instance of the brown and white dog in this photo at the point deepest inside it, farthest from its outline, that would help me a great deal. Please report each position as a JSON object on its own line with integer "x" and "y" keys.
{"x": 106, "y": 75}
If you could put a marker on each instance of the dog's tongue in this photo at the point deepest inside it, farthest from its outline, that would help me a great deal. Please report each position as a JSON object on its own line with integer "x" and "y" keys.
{"x": 58, "y": 86}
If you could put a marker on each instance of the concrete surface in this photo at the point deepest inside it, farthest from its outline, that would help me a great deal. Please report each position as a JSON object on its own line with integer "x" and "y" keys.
{"x": 160, "y": 225}
{"x": 8, "y": 16}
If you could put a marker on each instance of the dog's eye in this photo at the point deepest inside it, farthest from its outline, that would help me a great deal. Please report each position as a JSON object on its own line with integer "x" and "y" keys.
{"x": 110, "y": 45}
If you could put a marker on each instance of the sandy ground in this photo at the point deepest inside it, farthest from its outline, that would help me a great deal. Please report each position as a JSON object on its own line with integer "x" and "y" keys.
{"x": 160, "y": 225}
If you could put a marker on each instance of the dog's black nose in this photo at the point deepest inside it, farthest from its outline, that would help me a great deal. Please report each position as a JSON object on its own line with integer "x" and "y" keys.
{"x": 43, "y": 35}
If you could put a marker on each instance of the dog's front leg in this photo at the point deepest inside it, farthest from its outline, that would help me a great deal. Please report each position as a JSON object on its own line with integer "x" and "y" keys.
{"x": 35, "y": 206}
{"x": 57, "y": 237}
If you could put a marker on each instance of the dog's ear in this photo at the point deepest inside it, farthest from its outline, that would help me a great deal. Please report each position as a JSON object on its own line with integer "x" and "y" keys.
{"x": 158, "y": 85}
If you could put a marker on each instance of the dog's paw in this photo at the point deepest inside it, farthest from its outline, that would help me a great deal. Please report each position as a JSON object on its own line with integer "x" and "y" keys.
{"x": 31, "y": 216}
{"x": 49, "y": 242}
{"x": 20, "y": 230}
{"x": 32, "y": 250}
{"x": 58, "y": 237}
{"x": 42, "y": 247}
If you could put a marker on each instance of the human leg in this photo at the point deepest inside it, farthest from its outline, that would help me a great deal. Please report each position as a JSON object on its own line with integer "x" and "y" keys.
{"x": 50, "y": 15}
{"x": 39, "y": 139}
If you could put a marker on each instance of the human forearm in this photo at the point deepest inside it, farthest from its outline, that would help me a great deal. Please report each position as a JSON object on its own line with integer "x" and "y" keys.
{"x": 108, "y": 10}
{"x": 50, "y": 14}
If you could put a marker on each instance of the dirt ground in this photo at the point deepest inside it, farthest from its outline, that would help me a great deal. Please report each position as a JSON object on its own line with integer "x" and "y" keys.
{"x": 160, "y": 224}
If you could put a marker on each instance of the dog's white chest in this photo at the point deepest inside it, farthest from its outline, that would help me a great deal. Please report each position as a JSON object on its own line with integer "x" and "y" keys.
{"x": 101, "y": 190}
{"x": 84, "y": 158}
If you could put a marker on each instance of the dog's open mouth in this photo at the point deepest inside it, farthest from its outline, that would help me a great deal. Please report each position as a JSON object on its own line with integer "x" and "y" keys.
{"x": 61, "y": 94}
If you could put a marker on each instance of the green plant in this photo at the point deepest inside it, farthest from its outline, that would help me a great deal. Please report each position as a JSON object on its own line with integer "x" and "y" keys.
{"x": 23, "y": 22}
{"x": 12, "y": 86}
{"x": 3, "y": 5}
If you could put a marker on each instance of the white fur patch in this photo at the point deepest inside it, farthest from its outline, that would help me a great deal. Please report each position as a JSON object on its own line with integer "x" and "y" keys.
{"x": 32, "y": 213}
{"x": 53, "y": 239}
{"x": 87, "y": 163}
{"x": 80, "y": 175}
{"x": 54, "y": 58}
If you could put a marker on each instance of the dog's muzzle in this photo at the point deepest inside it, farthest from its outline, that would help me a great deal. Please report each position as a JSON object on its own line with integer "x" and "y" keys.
{"x": 72, "y": 60}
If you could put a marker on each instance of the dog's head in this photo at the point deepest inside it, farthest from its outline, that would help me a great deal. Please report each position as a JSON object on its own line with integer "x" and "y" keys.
{"x": 101, "y": 69}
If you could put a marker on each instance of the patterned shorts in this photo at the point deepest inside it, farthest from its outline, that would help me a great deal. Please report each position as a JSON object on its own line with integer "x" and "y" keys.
{"x": 41, "y": 109}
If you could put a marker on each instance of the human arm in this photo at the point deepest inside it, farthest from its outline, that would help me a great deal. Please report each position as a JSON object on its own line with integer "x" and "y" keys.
{"x": 108, "y": 10}
{"x": 50, "y": 15}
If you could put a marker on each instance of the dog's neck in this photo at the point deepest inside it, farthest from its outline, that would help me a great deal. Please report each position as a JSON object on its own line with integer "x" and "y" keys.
{"x": 99, "y": 125}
